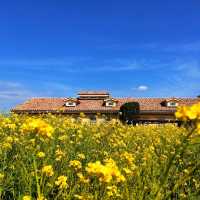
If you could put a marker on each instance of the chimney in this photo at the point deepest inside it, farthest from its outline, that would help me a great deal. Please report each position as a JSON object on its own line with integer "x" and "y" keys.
{"x": 93, "y": 95}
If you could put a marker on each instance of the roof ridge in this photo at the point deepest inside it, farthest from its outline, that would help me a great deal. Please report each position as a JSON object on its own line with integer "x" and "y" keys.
{"x": 157, "y": 97}
{"x": 116, "y": 98}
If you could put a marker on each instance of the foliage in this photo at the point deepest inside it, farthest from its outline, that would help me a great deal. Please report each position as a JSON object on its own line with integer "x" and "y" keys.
{"x": 57, "y": 157}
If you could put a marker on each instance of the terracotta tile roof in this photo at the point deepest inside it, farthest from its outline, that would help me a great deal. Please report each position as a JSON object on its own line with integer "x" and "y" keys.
{"x": 87, "y": 105}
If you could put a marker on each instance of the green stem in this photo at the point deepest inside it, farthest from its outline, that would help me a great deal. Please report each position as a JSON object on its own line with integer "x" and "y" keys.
{"x": 37, "y": 179}
{"x": 166, "y": 173}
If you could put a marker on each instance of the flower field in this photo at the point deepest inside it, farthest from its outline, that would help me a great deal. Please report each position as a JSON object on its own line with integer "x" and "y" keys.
{"x": 57, "y": 157}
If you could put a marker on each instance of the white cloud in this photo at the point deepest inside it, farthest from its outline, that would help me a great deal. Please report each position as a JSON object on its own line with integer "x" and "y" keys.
{"x": 141, "y": 88}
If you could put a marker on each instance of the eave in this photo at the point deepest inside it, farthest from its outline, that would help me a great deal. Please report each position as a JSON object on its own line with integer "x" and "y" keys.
{"x": 91, "y": 111}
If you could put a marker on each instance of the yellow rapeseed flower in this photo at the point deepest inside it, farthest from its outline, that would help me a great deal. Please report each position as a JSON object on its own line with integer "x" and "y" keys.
{"x": 80, "y": 197}
{"x": 181, "y": 113}
{"x": 82, "y": 178}
{"x": 40, "y": 154}
{"x": 1, "y": 176}
{"x": 59, "y": 154}
{"x": 48, "y": 170}
{"x": 76, "y": 164}
{"x": 188, "y": 112}
{"x": 105, "y": 172}
{"x": 38, "y": 126}
{"x": 41, "y": 197}
{"x": 112, "y": 191}
{"x": 81, "y": 156}
{"x": 26, "y": 197}
{"x": 61, "y": 182}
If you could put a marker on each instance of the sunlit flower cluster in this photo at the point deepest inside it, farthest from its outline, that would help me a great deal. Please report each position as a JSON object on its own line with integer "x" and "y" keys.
{"x": 38, "y": 126}
{"x": 76, "y": 164}
{"x": 190, "y": 113}
{"x": 40, "y": 154}
{"x": 48, "y": 170}
{"x": 61, "y": 182}
{"x": 105, "y": 173}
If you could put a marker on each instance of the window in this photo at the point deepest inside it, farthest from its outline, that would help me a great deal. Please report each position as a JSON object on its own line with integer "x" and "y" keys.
{"x": 110, "y": 103}
{"x": 70, "y": 103}
{"x": 172, "y": 104}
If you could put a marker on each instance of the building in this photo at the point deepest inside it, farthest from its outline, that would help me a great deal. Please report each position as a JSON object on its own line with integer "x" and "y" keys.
{"x": 91, "y": 103}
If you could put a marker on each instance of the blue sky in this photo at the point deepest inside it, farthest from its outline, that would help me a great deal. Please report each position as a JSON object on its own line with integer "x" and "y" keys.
{"x": 130, "y": 48}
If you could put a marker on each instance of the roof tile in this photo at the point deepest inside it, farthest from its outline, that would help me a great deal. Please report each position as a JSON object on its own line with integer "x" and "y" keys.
{"x": 56, "y": 104}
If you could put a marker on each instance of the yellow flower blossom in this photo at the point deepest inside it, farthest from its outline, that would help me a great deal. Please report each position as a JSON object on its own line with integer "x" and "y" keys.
{"x": 61, "y": 182}
{"x": 81, "y": 156}
{"x": 9, "y": 139}
{"x": 40, "y": 154}
{"x": 82, "y": 178}
{"x": 1, "y": 176}
{"x": 76, "y": 164}
{"x": 38, "y": 126}
{"x": 7, "y": 146}
{"x": 26, "y": 197}
{"x": 188, "y": 112}
{"x": 107, "y": 172}
{"x": 112, "y": 191}
{"x": 181, "y": 113}
{"x": 41, "y": 197}
{"x": 48, "y": 170}
{"x": 80, "y": 197}
{"x": 128, "y": 157}
{"x": 127, "y": 171}
{"x": 59, "y": 154}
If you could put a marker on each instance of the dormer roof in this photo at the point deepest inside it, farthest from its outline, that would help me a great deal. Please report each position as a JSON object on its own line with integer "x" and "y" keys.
{"x": 111, "y": 99}
{"x": 172, "y": 99}
{"x": 70, "y": 99}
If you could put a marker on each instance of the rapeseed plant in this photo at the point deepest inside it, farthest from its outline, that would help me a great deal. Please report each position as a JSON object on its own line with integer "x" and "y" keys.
{"x": 58, "y": 157}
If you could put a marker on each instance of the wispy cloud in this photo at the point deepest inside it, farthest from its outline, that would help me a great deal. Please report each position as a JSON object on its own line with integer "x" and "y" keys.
{"x": 73, "y": 65}
{"x": 141, "y": 88}
{"x": 189, "y": 68}
{"x": 12, "y": 93}
{"x": 184, "y": 47}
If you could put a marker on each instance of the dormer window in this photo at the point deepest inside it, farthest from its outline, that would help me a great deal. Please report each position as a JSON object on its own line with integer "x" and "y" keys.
{"x": 110, "y": 102}
{"x": 172, "y": 104}
{"x": 70, "y": 102}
